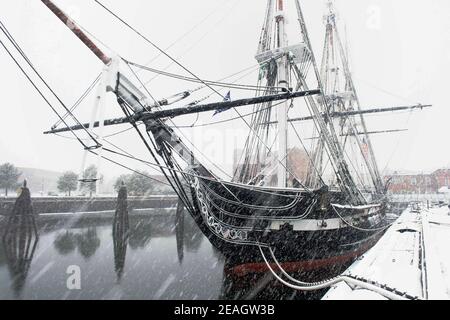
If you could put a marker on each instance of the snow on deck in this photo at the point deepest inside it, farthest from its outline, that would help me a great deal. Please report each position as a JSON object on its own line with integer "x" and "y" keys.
{"x": 412, "y": 257}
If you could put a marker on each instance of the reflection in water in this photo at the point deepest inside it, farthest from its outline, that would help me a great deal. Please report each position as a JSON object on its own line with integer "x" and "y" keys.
{"x": 87, "y": 242}
{"x": 65, "y": 243}
{"x": 120, "y": 233}
{"x": 2, "y": 256}
{"x": 192, "y": 236}
{"x": 19, "y": 244}
{"x": 140, "y": 234}
{"x": 20, "y": 239}
{"x": 179, "y": 231}
{"x": 241, "y": 279}
{"x": 202, "y": 272}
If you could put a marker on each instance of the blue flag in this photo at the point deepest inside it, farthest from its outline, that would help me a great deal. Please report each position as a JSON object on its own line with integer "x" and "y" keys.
{"x": 227, "y": 98}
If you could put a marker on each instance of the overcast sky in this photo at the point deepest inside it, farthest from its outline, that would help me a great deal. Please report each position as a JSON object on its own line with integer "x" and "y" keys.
{"x": 399, "y": 52}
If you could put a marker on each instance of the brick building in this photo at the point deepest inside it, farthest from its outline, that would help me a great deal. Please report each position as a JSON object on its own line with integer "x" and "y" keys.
{"x": 442, "y": 177}
{"x": 298, "y": 164}
{"x": 418, "y": 183}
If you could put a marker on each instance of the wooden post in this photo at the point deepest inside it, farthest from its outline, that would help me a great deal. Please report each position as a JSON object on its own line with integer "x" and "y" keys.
{"x": 22, "y": 211}
{"x": 120, "y": 231}
{"x": 179, "y": 230}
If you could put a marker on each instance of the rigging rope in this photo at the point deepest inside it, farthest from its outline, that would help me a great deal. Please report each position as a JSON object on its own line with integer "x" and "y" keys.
{"x": 159, "y": 106}
{"x": 197, "y": 41}
{"x": 212, "y": 83}
{"x": 226, "y": 120}
{"x": 269, "y": 150}
{"x": 11, "y": 38}
{"x": 130, "y": 169}
{"x": 346, "y": 181}
{"x": 179, "y": 64}
{"x": 264, "y": 191}
{"x": 17, "y": 47}
{"x": 396, "y": 148}
{"x": 193, "y": 145}
{"x": 358, "y": 228}
{"x": 186, "y": 33}
{"x": 179, "y": 191}
{"x": 79, "y": 100}
{"x": 40, "y": 92}
{"x": 90, "y": 149}
{"x": 308, "y": 154}
{"x": 383, "y": 290}
{"x": 68, "y": 112}
{"x": 154, "y": 45}
{"x": 209, "y": 96}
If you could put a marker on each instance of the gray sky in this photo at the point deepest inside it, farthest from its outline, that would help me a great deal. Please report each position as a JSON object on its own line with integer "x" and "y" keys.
{"x": 399, "y": 52}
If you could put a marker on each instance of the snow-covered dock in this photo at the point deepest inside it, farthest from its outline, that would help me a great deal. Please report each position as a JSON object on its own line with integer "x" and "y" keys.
{"x": 412, "y": 259}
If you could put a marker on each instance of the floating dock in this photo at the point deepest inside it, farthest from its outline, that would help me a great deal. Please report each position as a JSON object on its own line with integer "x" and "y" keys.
{"x": 411, "y": 260}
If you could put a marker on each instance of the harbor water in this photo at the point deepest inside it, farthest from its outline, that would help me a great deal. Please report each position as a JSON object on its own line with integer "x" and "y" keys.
{"x": 156, "y": 257}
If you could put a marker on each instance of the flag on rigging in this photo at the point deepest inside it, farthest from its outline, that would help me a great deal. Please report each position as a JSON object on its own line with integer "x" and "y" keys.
{"x": 227, "y": 98}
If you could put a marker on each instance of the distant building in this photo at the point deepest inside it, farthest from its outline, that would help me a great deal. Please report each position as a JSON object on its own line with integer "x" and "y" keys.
{"x": 298, "y": 165}
{"x": 40, "y": 181}
{"x": 442, "y": 177}
{"x": 419, "y": 183}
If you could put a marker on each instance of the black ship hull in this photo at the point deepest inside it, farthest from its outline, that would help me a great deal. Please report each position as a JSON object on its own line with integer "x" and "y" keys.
{"x": 245, "y": 270}
{"x": 313, "y": 233}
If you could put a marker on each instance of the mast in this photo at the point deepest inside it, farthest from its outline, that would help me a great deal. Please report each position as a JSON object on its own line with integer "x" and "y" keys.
{"x": 107, "y": 79}
{"x": 77, "y": 31}
{"x": 176, "y": 112}
{"x": 327, "y": 130}
{"x": 282, "y": 111}
{"x": 349, "y": 98}
{"x": 346, "y": 114}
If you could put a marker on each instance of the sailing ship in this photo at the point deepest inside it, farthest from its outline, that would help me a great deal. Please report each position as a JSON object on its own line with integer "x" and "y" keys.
{"x": 323, "y": 217}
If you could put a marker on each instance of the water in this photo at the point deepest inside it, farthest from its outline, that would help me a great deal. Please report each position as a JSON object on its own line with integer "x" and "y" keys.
{"x": 155, "y": 259}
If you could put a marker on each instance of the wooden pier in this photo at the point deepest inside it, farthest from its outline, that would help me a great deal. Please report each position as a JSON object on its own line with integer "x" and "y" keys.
{"x": 412, "y": 259}
{"x": 86, "y": 204}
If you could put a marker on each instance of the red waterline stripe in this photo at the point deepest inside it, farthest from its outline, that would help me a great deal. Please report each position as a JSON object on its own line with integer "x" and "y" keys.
{"x": 310, "y": 265}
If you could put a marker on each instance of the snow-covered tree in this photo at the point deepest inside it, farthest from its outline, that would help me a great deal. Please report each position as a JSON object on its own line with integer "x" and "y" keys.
{"x": 67, "y": 182}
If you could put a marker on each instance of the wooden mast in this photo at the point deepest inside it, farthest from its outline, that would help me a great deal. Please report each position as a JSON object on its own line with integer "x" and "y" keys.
{"x": 175, "y": 112}
{"x": 77, "y": 31}
{"x": 282, "y": 110}
{"x": 98, "y": 109}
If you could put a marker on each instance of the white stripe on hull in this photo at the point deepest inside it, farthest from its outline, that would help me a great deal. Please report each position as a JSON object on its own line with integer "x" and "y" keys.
{"x": 330, "y": 224}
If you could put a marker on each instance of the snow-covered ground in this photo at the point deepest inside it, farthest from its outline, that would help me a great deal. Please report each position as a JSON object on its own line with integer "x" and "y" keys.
{"x": 412, "y": 257}
{"x": 445, "y": 190}
{"x": 435, "y": 197}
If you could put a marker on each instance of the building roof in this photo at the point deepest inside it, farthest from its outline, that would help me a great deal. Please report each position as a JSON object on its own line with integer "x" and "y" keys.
{"x": 411, "y": 174}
